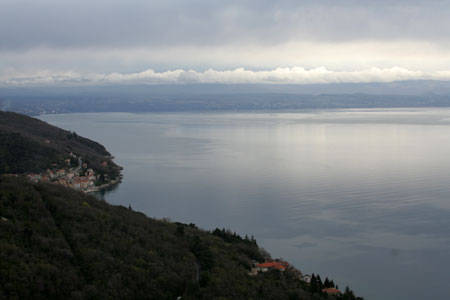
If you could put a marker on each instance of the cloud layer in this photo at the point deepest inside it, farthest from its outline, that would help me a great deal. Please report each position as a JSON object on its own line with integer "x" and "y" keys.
{"x": 25, "y": 24}
{"x": 295, "y": 75}
{"x": 235, "y": 41}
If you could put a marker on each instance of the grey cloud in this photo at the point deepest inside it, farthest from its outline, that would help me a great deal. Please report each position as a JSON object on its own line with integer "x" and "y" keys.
{"x": 114, "y": 23}
{"x": 236, "y": 76}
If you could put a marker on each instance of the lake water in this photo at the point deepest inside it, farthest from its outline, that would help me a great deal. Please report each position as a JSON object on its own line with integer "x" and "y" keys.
{"x": 361, "y": 196}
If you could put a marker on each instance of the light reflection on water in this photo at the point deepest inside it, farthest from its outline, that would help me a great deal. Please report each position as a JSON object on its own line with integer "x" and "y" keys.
{"x": 362, "y": 196}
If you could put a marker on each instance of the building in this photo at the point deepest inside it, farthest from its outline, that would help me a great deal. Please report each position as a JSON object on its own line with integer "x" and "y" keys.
{"x": 51, "y": 174}
{"x": 253, "y": 272}
{"x": 60, "y": 173}
{"x": 331, "y": 291}
{"x": 306, "y": 278}
{"x": 76, "y": 183}
{"x": 274, "y": 265}
{"x": 34, "y": 177}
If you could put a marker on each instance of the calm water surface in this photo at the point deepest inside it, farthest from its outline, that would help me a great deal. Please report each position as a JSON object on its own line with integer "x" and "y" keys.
{"x": 362, "y": 196}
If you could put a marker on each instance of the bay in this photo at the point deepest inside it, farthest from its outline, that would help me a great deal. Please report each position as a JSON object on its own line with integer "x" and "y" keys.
{"x": 361, "y": 196}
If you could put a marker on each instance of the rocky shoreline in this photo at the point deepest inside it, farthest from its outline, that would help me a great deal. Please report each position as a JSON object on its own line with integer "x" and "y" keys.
{"x": 103, "y": 187}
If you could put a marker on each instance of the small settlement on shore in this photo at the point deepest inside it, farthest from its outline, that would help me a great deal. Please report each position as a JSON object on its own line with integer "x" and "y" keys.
{"x": 80, "y": 178}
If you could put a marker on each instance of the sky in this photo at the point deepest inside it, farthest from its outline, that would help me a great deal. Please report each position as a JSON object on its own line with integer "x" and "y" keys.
{"x": 79, "y": 42}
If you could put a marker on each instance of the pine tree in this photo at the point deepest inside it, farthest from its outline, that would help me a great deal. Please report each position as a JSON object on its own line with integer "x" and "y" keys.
{"x": 326, "y": 283}
{"x": 332, "y": 284}
{"x": 313, "y": 283}
{"x": 319, "y": 282}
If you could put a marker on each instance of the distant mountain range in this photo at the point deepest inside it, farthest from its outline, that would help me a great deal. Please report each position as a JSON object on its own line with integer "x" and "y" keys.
{"x": 217, "y": 97}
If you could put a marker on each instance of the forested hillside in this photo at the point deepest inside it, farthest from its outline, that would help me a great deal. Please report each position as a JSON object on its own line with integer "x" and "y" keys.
{"x": 59, "y": 243}
{"x": 30, "y": 145}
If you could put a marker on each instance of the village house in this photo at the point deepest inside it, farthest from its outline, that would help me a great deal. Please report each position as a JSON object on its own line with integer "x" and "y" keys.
{"x": 51, "y": 174}
{"x": 63, "y": 182}
{"x": 91, "y": 174}
{"x": 331, "y": 291}
{"x": 61, "y": 173}
{"x": 76, "y": 183}
{"x": 277, "y": 264}
{"x": 34, "y": 177}
{"x": 306, "y": 278}
{"x": 272, "y": 265}
{"x": 253, "y": 272}
{"x": 82, "y": 183}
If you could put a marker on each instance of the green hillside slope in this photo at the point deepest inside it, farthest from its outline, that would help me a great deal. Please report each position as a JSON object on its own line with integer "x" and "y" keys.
{"x": 30, "y": 145}
{"x": 59, "y": 243}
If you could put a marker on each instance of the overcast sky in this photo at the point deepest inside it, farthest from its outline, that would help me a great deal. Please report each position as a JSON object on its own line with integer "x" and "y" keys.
{"x": 98, "y": 41}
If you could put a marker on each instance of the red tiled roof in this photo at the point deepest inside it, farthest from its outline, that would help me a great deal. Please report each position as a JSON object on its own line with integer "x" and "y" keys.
{"x": 331, "y": 291}
{"x": 273, "y": 264}
{"x": 284, "y": 263}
